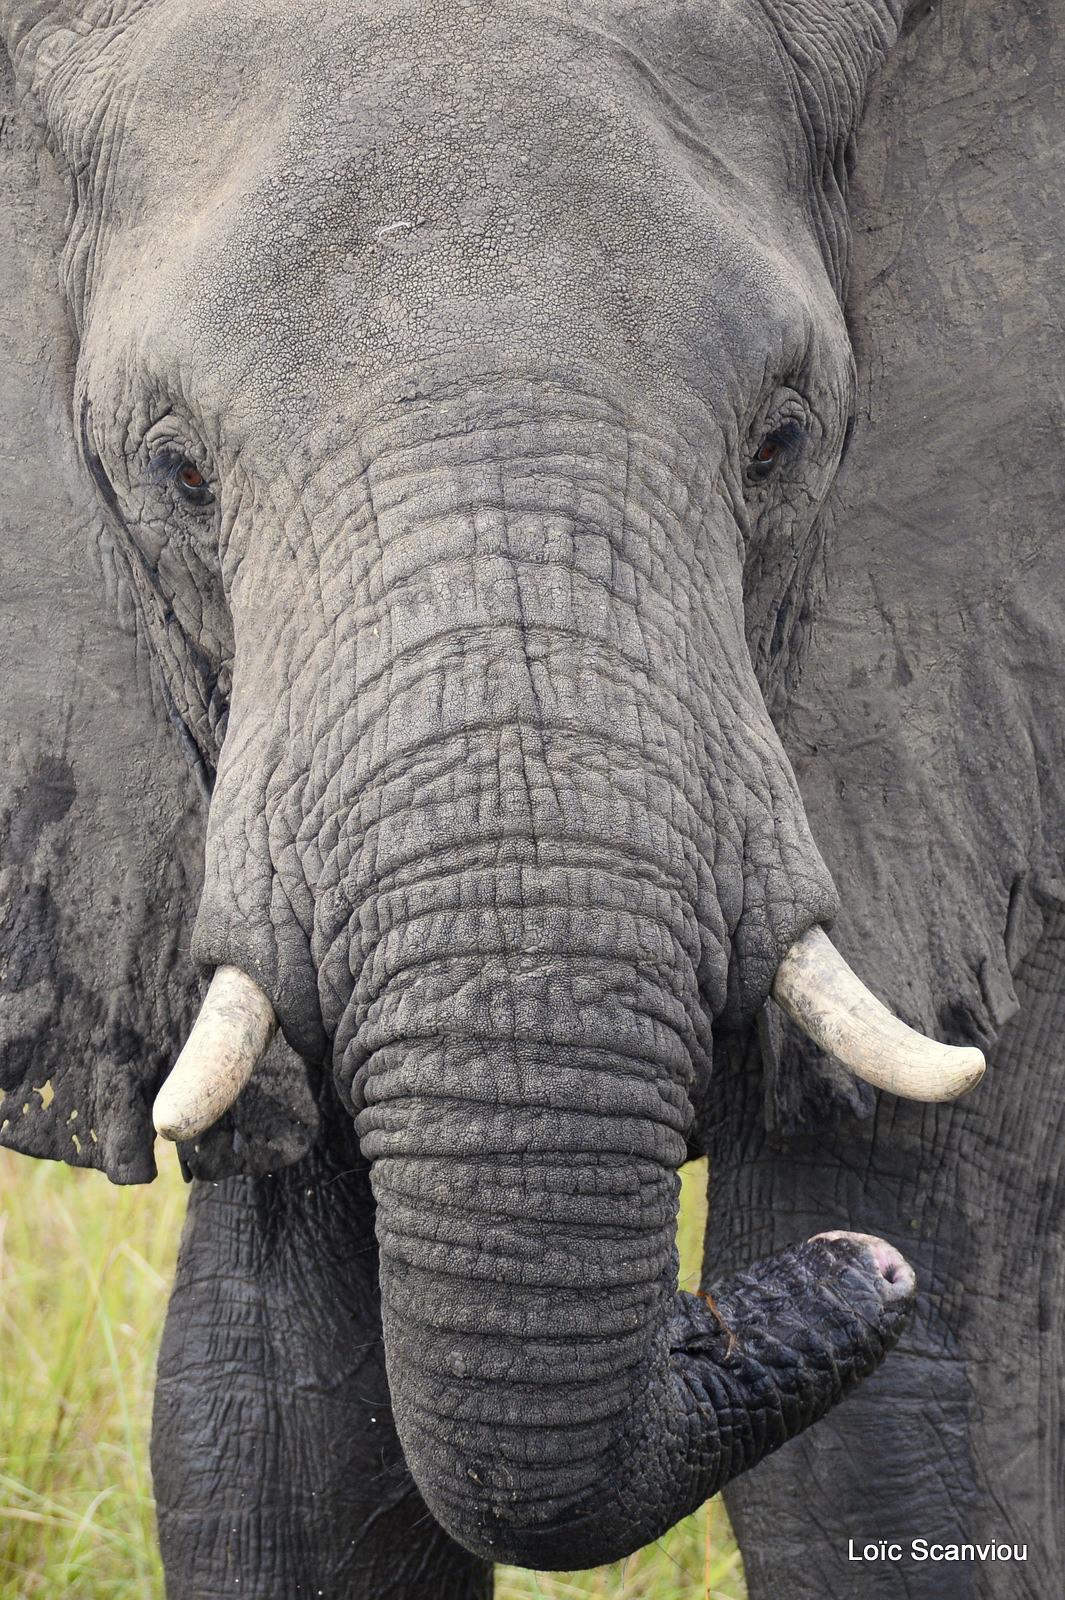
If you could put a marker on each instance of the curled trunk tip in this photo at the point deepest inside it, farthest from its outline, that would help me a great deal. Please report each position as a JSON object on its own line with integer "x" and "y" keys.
{"x": 228, "y": 1040}
{"x": 821, "y": 994}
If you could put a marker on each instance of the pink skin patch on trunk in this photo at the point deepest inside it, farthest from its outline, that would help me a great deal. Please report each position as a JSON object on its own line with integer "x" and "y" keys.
{"x": 893, "y": 1267}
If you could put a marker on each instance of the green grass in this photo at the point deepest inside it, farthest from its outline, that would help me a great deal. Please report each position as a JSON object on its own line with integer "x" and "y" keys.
{"x": 84, "y": 1274}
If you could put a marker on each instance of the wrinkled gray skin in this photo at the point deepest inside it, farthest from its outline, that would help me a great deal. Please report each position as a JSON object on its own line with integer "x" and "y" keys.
{"x": 421, "y": 359}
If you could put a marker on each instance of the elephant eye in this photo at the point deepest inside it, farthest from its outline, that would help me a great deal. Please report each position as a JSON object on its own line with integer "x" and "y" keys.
{"x": 783, "y": 442}
{"x": 192, "y": 484}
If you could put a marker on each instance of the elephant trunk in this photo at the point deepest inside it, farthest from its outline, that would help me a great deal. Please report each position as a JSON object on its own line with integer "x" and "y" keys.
{"x": 558, "y": 1402}
{"x": 520, "y": 1063}
{"x": 555, "y": 1398}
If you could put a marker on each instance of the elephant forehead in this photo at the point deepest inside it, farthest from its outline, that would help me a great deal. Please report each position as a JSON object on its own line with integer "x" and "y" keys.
{"x": 335, "y": 186}
{"x": 370, "y": 73}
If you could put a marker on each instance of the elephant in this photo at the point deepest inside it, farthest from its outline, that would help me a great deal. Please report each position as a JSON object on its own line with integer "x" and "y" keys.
{"x": 529, "y": 563}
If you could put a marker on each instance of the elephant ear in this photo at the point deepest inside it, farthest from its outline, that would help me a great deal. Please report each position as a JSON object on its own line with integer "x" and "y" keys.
{"x": 103, "y": 802}
{"x": 101, "y": 823}
{"x": 923, "y": 705}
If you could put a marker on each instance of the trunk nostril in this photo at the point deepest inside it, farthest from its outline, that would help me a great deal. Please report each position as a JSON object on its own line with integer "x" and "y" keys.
{"x": 893, "y": 1267}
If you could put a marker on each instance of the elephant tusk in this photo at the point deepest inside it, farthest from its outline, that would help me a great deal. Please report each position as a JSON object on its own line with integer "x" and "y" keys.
{"x": 820, "y": 993}
{"x": 228, "y": 1040}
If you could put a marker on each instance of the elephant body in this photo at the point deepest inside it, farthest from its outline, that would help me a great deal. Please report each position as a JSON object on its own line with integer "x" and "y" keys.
{"x": 491, "y": 561}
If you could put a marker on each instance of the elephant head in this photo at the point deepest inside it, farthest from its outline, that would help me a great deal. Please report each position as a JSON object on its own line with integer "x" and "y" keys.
{"x": 459, "y": 387}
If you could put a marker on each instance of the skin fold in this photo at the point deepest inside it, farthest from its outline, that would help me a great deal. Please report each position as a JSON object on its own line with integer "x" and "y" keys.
{"x": 457, "y": 389}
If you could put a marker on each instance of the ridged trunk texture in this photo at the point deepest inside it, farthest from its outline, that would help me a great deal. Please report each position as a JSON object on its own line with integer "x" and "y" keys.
{"x": 558, "y": 1404}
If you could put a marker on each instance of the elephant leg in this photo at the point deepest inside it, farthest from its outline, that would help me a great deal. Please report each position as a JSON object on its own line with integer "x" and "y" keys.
{"x": 277, "y": 1469}
{"x": 959, "y": 1437}
{"x": 891, "y": 1466}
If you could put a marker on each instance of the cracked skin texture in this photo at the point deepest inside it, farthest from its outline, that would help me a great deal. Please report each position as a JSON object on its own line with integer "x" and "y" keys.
{"x": 472, "y": 323}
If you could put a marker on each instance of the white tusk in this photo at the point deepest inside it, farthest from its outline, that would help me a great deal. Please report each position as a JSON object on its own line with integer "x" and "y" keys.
{"x": 228, "y": 1040}
{"x": 820, "y": 993}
